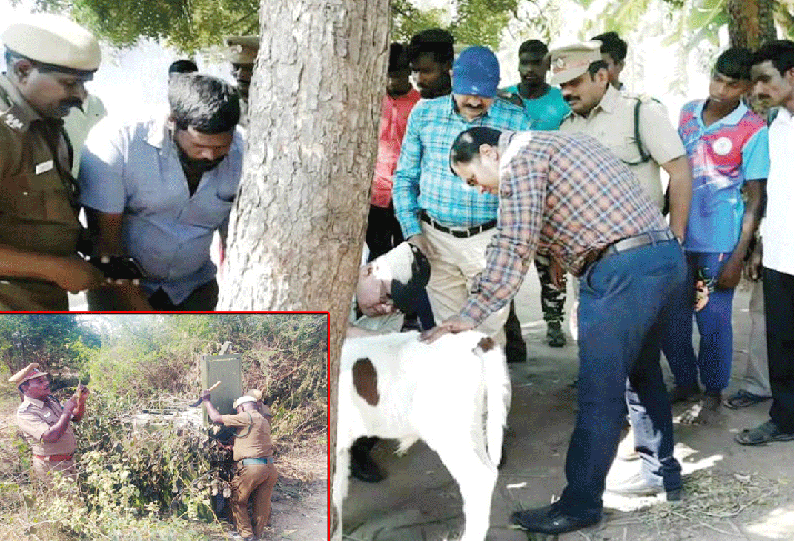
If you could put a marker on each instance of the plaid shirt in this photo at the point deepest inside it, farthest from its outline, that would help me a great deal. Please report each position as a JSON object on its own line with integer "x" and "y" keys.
{"x": 423, "y": 179}
{"x": 566, "y": 193}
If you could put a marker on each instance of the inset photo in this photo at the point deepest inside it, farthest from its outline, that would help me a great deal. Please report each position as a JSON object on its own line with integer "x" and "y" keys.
{"x": 164, "y": 426}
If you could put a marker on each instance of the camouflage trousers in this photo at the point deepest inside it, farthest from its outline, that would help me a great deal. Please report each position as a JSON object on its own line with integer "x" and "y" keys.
{"x": 552, "y": 299}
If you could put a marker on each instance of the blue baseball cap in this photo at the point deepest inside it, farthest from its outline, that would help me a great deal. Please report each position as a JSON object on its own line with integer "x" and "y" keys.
{"x": 476, "y": 72}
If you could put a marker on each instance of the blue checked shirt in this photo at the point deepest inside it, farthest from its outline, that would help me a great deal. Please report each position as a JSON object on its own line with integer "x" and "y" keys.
{"x": 423, "y": 179}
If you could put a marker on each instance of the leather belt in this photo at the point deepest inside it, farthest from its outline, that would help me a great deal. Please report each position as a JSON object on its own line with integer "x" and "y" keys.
{"x": 460, "y": 233}
{"x": 640, "y": 240}
{"x": 61, "y": 457}
{"x": 256, "y": 460}
{"x": 629, "y": 243}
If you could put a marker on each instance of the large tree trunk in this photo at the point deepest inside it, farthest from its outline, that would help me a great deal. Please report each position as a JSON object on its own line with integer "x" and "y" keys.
{"x": 297, "y": 230}
{"x": 751, "y": 22}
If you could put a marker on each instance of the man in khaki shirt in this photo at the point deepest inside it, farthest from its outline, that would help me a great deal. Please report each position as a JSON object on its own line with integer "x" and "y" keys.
{"x": 601, "y": 111}
{"x": 255, "y": 472}
{"x": 48, "y": 58}
{"x": 46, "y": 424}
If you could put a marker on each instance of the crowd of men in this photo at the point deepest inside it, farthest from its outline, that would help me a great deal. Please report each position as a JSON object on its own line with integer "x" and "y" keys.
{"x": 154, "y": 191}
{"x": 473, "y": 184}
{"x": 480, "y": 181}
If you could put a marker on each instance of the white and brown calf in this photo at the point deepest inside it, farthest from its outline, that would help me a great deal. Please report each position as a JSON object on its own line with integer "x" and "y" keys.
{"x": 397, "y": 387}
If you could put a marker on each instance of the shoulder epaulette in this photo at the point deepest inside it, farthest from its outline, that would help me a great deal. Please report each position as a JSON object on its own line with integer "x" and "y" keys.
{"x": 10, "y": 118}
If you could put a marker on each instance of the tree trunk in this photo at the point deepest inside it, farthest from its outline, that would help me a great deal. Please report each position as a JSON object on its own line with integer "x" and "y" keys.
{"x": 751, "y": 22}
{"x": 296, "y": 233}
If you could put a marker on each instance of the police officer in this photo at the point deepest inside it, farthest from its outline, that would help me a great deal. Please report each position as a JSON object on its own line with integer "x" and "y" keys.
{"x": 48, "y": 58}
{"x": 616, "y": 120}
{"x": 46, "y": 425}
{"x": 242, "y": 54}
{"x": 255, "y": 473}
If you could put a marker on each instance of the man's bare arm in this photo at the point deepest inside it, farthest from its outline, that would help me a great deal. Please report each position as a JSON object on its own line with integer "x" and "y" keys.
{"x": 680, "y": 194}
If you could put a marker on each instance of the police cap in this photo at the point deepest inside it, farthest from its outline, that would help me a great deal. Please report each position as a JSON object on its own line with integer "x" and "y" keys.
{"x": 571, "y": 61}
{"x": 242, "y": 49}
{"x": 55, "y": 41}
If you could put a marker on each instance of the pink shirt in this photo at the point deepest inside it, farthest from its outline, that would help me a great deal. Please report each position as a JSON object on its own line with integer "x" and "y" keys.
{"x": 393, "y": 119}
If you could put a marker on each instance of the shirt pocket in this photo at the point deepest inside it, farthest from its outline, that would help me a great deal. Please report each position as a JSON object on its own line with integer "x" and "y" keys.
{"x": 37, "y": 198}
{"x": 208, "y": 209}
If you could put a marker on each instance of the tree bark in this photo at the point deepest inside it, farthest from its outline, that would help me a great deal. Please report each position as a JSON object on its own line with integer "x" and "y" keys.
{"x": 297, "y": 229}
{"x": 751, "y": 22}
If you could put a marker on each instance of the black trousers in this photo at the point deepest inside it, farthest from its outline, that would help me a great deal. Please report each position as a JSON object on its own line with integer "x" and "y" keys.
{"x": 383, "y": 231}
{"x": 779, "y": 312}
{"x": 202, "y": 299}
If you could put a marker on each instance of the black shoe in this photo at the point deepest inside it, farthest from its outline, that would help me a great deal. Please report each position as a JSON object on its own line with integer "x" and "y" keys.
{"x": 555, "y": 335}
{"x": 363, "y": 468}
{"x": 550, "y": 520}
{"x": 681, "y": 394}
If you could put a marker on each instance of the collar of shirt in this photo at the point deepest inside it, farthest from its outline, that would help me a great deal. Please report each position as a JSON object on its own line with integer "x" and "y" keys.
{"x": 454, "y": 111}
{"x": 609, "y": 102}
{"x": 510, "y": 143}
{"x": 731, "y": 119}
{"x": 784, "y": 116}
{"x": 31, "y": 401}
{"x": 20, "y": 109}
{"x": 160, "y": 132}
{"x": 412, "y": 96}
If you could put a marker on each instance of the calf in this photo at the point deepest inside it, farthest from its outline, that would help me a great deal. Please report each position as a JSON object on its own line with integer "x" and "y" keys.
{"x": 397, "y": 387}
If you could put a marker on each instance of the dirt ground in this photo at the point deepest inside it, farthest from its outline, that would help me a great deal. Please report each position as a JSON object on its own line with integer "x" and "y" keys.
{"x": 300, "y": 500}
{"x": 731, "y": 492}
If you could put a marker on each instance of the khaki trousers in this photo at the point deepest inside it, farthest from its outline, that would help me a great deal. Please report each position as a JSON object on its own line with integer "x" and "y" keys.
{"x": 453, "y": 266}
{"x": 258, "y": 480}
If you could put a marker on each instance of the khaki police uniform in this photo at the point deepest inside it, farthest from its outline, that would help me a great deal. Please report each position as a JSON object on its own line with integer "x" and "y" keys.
{"x": 255, "y": 472}
{"x": 612, "y": 120}
{"x": 612, "y": 123}
{"x": 35, "y": 418}
{"x": 242, "y": 51}
{"x": 39, "y": 207}
{"x": 39, "y": 203}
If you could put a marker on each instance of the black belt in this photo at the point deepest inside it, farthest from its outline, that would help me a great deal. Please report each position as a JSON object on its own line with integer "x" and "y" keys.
{"x": 460, "y": 233}
{"x": 639, "y": 240}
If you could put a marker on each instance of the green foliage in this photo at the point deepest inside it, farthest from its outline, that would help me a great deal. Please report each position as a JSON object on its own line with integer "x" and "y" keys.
{"x": 155, "y": 481}
{"x": 192, "y": 25}
{"x": 187, "y": 25}
{"x": 53, "y": 340}
{"x": 156, "y": 468}
{"x": 133, "y": 484}
{"x": 480, "y": 22}
{"x": 408, "y": 20}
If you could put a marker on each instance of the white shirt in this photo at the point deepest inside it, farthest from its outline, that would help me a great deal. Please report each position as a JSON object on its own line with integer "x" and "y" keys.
{"x": 779, "y": 222}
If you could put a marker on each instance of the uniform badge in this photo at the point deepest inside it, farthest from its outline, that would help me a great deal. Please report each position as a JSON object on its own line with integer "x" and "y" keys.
{"x": 722, "y": 146}
{"x": 44, "y": 167}
{"x": 13, "y": 122}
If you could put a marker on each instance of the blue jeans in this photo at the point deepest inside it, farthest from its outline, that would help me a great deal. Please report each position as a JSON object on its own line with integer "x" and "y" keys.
{"x": 623, "y": 304}
{"x": 713, "y": 362}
